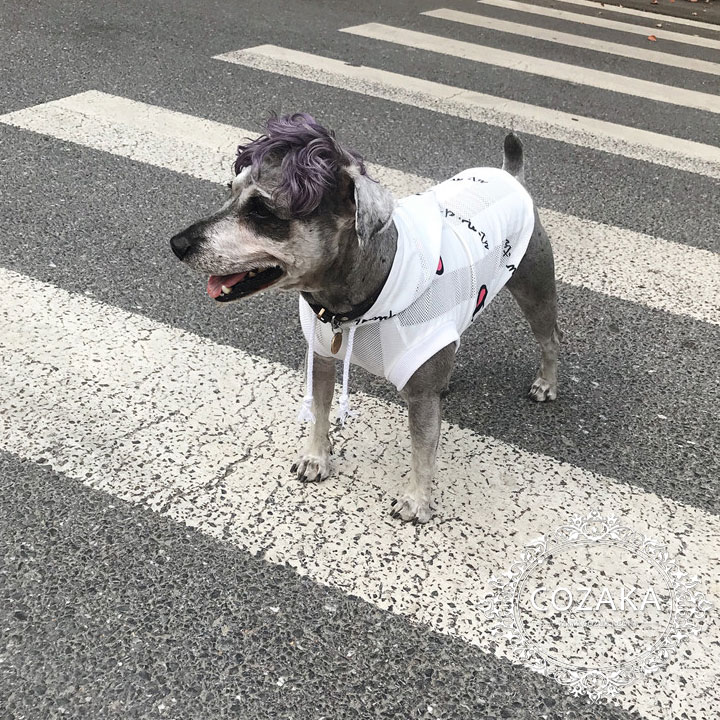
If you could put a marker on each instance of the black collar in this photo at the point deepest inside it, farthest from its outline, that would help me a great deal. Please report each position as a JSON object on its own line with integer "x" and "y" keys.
{"x": 326, "y": 316}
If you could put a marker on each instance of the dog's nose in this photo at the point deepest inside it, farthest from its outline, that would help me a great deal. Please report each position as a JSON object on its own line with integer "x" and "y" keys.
{"x": 180, "y": 244}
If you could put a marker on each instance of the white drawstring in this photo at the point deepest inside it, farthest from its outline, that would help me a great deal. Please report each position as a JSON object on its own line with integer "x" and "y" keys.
{"x": 344, "y": 409}
{"x": 306, "y": 413}
{"x": 344, "y": 412}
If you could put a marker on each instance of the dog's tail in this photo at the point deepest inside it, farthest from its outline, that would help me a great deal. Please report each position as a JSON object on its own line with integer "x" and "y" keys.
{"x": 513, "y": 157}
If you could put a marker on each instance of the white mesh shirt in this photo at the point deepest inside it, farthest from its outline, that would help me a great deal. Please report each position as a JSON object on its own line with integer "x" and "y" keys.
{"x": 458, "y": 244}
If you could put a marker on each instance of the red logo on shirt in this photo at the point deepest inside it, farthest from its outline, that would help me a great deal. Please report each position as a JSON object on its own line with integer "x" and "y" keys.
{"x": 440, "y": 269}
{"x": 480, "y": 302}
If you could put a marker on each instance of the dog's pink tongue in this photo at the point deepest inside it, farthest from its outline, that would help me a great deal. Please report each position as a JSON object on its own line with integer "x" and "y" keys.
{"x": 215, "y": 283}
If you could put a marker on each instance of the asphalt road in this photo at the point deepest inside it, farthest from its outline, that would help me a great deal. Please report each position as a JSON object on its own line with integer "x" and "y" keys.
{"x": 115, "y": 605}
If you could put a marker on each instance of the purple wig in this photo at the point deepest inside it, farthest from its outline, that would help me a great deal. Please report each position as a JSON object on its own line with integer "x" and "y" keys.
{"x": 311, "y": 159}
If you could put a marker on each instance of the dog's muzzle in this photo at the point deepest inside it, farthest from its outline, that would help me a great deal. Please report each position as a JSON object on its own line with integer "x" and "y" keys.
{"x": 233, "y": 286}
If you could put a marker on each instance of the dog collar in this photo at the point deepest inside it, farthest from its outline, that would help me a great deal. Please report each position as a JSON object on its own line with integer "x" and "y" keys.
{"x": 324, "y": 315}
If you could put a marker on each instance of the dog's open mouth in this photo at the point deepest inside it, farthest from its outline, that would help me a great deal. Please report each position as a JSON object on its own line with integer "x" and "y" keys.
{"x": 224, "y": 288}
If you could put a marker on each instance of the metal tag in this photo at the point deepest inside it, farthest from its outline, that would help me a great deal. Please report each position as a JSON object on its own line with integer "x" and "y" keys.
{"x": 336, "y": 343}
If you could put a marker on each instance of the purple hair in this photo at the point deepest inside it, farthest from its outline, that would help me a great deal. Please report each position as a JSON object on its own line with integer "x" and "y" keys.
{"x": 311, "y": 158}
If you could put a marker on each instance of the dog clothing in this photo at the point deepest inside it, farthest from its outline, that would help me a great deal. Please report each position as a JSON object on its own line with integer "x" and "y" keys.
{"x": 458, "y": 244}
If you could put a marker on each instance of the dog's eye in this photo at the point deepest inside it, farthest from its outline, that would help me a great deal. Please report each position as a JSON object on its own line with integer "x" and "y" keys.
{"x": 258, "y": 209}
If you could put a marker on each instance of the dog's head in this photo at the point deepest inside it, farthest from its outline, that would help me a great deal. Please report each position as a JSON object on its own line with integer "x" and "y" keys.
{"x": 299, "y": 200}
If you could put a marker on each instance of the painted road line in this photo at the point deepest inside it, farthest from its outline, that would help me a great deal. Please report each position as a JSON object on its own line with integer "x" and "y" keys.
{"x": 555, "y": 36}
{"x": 673, "y": 279}
{"x": 655, "y": 17}
{"x": 203, "y": 438}
{"x": 544, "y": 122}
{"x": 659, "y": 33}
{"x": 176, "y": 141}
{"x": 575, "y": 74}
{"x": 619, "y": 263}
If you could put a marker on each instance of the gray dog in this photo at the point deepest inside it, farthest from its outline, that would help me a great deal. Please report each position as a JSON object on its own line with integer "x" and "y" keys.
{"x": 386, "y": 285}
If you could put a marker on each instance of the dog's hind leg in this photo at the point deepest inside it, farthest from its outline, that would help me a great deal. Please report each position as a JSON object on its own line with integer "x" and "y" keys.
{"x": 423, "y": 393}
{"x": 533, "y": 287}
{"x": 313, "y": 464}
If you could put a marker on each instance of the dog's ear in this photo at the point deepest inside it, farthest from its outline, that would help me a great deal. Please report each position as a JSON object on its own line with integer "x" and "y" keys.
{"x": 374, "y": 205}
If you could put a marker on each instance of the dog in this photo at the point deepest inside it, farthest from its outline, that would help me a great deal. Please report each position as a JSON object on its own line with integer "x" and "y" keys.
{"x": 387, "y": 285}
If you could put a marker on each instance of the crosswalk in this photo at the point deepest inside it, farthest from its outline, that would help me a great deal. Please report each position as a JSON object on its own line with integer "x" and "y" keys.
{"x": 656, "y": 18}
{"x": 607, "y": 23}
{"x": 539, "y": 66}
{"x": 544, "y": 122}
{"x": 128, "y": 405}
{"x": 577, "y": 41}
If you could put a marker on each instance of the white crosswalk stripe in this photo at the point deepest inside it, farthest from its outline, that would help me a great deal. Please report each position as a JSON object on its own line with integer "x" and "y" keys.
{"x": 539, "y": 66}
{"x": 544, "y": 122}
{"x": 190, "y": 408}
{"x": 617, "y": 262}
{"x": 656, "y": 57}
{"x": 602, "y": 22}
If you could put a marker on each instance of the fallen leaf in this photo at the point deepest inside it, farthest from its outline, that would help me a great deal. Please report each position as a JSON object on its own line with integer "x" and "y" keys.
{"x": 652, "y": 38}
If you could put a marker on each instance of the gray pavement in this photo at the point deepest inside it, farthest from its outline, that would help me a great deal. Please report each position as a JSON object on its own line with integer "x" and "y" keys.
{"x": 109, "y": 610}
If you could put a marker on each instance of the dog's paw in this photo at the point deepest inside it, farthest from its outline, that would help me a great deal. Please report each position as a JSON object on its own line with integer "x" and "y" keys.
{"x": 408, "y": 508}
{"x": 542, "y": 390}
{"x": 310, "y": 467}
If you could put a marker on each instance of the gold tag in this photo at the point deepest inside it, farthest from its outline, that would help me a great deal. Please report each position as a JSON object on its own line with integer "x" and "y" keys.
{"x": 336, "y": 343}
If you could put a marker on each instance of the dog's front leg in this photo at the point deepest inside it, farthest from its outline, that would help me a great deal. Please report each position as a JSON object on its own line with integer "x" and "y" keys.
{"x": 423, "y": 393}
{"x": 313, "y": 464}
{"x": 424, "y": 416}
